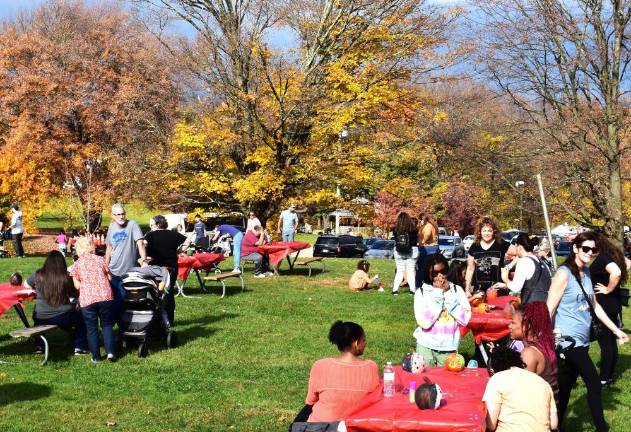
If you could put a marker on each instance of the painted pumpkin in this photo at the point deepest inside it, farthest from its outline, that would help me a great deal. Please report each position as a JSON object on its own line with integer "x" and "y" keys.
{"x": 454, "y": 362}
{"x": 481, "y": 308}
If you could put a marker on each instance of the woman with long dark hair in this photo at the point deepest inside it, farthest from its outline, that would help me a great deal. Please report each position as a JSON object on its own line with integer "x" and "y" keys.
{"x": 609, "y": 272}
{"x": 531, "y": 324}
{"x": 53, "y": 304}
{"x": 405, "y": 252}
{"x": 572, "y": 303}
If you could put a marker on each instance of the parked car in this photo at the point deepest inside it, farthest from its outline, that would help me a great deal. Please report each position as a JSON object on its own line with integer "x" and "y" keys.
{"x": 442, "y": 231}
{"x": 510, "y": 235}
{"x": 339, "y": 246}
{"x": 563, "y": 248}
{"x": 370, "y": 241}
{"x": 467, "y": 242}
{"x": 381, "y": 249}
{"x": 451, "y": 246}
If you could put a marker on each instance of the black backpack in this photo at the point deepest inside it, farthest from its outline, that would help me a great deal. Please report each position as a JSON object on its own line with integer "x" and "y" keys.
{"x": 402, "y": 243}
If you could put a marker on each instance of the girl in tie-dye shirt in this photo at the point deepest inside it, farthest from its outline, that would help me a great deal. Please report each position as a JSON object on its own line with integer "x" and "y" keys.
{"x": 440, "y": 308}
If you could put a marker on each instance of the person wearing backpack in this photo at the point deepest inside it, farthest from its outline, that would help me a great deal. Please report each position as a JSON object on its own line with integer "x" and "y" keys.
{"x": 405, "y": 251}
{"x": 532, "y": 275}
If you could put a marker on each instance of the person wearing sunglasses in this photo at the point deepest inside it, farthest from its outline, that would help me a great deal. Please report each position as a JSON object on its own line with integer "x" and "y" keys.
{"x": 573, "y": 306}
{"x": 253, "y": 221}
{"x": 440, "y": 309}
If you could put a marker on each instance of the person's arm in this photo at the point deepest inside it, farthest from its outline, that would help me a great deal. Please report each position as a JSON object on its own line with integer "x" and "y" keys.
{"x": 554, "y": 419}
{"x": 492, "y": 414}
{"x": 557, "y": 288}
{"x": 468, "y": 278}
{"x": 427, "y": 307}
{"x": 524, "y": 269}
{"x": 296, "y": 223}
{"x": 216, "y": 236}
{"x": 142, "y": 251}
{"x": 531, "y": 358}
{"x": 602, "y": 316}
{"x": 280, "y": 222}
{"x": 108, "y": 253}
{"x": 261, "y": 240}
{"x": 614, "y": 279}
{"x": 77, "y": 283}
{"x": 457, "y": 305}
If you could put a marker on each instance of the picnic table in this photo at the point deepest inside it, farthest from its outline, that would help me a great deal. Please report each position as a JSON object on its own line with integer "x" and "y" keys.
{"x": 197, "y": 262}
{"x": 490, "y": 326}
{"x": 462, "y": 409}
{"x": 12, "y": 297}
{"x": 276, "y": 251}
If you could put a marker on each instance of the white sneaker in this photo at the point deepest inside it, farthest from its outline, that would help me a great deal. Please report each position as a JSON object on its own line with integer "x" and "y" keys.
{"x": 269, "y": 274}
{"x": 237, "y": 270}
{"x": 381, "y": 289}
{"x": 261, "y": 275}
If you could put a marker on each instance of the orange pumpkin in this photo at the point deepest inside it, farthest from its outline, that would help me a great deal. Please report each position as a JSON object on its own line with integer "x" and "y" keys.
{"x": 454, "y": 362}
{"x": 481, "y": 308}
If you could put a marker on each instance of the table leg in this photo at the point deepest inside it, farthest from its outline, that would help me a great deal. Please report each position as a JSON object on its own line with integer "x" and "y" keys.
{"x": 292, "y": 263}
{"x": 202, "y": 285}
{"x": 180, "y": 289}
{"x": 22, "y": 315}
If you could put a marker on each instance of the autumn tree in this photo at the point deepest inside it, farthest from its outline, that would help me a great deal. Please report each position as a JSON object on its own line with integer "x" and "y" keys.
{"x": 86, "y": 102}
{"x": 564, "y": 65}
{"x": 273, "y": 117}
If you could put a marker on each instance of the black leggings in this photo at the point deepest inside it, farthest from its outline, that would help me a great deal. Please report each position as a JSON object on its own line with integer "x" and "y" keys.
{"x": 577, "y": 362}
{"x": 608, "y": 350}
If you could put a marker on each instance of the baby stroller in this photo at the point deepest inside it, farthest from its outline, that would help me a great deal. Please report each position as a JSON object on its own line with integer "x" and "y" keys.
{"x": 143, "y": 314}
{"x": 4, "y": 235}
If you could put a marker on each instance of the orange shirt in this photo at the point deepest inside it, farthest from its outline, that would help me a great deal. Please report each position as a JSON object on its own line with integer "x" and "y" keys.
{"x": 337, "y": 388}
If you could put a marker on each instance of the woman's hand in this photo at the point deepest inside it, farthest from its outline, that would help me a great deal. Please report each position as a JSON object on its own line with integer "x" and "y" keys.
{"x": 601, "y": 289}
{"x": 622, "y": 337}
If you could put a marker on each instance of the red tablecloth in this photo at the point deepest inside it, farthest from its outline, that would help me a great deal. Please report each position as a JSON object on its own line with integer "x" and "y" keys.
{"x": 462, "y": 408}
{"x": 199, "y": 261}
{"x": 488, "y": 327}
{"x": 277, "y": 251}
{"x": 11, "y": 295}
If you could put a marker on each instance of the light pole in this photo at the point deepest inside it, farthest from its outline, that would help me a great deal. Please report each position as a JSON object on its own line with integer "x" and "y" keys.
{"x": 342, "y": 136}
{"x": 89, "y": 164}
{"x": 518, "y": 184}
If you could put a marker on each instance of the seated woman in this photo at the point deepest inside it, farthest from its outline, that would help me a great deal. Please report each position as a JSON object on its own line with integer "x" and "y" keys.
{"x": 338, "y": 385}
{"x": 531, "y": 324}
{"x": 360, "y": 280}
{"x": 54, "y": 290}
{"x": 440, "y": 308}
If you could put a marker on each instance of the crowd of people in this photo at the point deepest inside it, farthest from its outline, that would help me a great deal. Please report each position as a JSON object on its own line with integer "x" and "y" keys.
{"x": 534, "y": 369}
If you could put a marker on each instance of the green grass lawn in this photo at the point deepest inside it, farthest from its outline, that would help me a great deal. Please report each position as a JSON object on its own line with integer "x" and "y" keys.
{"x": 242, "y": 363}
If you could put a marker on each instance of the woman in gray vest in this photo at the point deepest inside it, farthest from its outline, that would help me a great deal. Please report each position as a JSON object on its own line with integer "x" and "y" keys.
{"x": 532, "y": 275}
{"x": 572, "y": 306}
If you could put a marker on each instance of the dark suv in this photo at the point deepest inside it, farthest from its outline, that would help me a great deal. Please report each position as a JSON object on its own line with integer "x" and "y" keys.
{"x": 339, "y": 246}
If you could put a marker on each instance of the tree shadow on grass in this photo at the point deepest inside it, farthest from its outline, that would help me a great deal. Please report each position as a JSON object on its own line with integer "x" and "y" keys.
{"x": 207, "y": 319}
{"x": 579, "y": 418}
{"x": 20, "y": 392}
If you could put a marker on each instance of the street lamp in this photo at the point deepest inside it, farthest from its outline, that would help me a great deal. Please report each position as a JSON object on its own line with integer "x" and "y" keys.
{"x": 518, "y": 184}
{"x": 342, "y": 136}
{"x": 89, "y": 165}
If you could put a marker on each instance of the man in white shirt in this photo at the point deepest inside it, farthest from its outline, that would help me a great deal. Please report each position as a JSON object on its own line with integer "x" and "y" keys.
{"x": 287, "y": 223}
{"x": 17, "y": 230}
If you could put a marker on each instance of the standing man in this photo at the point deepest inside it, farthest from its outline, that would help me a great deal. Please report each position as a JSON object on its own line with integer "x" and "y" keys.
{"x": 17, "y": 230}
{"x": 201, "y": 237}
{"x": 124, "y": 242}
{"x": 288, "y": 221}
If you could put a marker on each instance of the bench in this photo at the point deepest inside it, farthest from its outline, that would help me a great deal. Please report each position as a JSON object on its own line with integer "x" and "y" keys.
{"x": 307, "y": 261}
{"x": 220, "y": 277}
{"x": 36, "y": 331}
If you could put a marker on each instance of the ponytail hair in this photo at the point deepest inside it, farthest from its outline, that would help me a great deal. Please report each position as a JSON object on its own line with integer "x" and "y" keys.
{"x": 343, "y": 334}
{"x": 528, "y": 242}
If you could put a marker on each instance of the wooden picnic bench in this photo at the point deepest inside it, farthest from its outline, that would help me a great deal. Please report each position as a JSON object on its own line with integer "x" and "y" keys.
{"x": 220, "y": 277}
{"x": 307, "y": 261}
{"x": 36, "y": 331}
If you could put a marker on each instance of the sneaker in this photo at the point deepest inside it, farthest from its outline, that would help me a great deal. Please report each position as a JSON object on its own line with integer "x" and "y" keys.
{"x": 38, "y": 350}
{"x": 395, "y": 293}
{"x": 380, "y": 289}
{"x": 94, "y": 361}
{"x": 236, "y": 270}
{"x": 270, "y": 274}
{"x": 79, "y": 351}
{"x": 111, "y": 357}
{"x": 260, "y": 275}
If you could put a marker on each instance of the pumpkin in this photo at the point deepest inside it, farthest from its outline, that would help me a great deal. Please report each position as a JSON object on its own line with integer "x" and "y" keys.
{"x": 454, "y": 362}
{"x": 476, "y": 299}
{"x": 482, "y": 308}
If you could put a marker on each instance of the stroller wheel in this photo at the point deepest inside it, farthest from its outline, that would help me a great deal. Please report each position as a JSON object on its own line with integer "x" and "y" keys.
{"x": 171, "y": 339}
{"x": 143, "y": 350}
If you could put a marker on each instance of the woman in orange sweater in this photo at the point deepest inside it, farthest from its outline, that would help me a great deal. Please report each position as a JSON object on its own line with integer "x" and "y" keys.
{"x": 337, "y": 385}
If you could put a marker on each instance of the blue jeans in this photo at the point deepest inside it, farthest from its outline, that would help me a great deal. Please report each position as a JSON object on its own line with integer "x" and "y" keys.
{"x": 91, "y": 315}
{"x": 236, "y": 249}
{"x": 288, "y": 235}
{"x": 71, "y": 321}
{"x": 119, "y": 296}
{"x": 423, "y": 252}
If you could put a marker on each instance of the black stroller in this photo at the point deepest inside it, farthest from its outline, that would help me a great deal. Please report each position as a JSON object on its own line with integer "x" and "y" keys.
{"x": 143, "y": 315}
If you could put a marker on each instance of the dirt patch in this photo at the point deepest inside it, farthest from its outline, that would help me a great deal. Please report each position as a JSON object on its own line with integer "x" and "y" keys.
{"x": 38, "y": 244}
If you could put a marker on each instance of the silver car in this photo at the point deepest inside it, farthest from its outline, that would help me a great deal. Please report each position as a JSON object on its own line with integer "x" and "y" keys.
{"x": 467, "y": 242}
{"x": 381, "y": 249}
{"x": 451, "y": 246}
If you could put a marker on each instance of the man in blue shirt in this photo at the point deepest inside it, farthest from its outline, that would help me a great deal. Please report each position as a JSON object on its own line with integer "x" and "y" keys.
{"x": 237, "y": 238}
{"x": 200, "y": 231}
{"x": 287, "y": 223}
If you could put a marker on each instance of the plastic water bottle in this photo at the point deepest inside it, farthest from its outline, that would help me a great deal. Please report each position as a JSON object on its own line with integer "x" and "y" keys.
{"x": 388, "y": 380}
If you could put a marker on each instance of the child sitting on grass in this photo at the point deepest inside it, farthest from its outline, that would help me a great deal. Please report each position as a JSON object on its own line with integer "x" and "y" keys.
{"x": 360, "y": 280}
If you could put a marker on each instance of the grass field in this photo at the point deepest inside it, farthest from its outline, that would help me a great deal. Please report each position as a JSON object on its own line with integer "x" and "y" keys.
{"x": 242, "y": 363}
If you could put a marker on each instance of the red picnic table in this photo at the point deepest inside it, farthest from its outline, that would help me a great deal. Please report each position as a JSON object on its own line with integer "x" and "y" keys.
{"x": 200, "y": 261}
{"x": 276, "y": 251}
{"x": 462, "y": 409}
{"x": 490, "y": 326}
{"x": 12, "y": 296}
